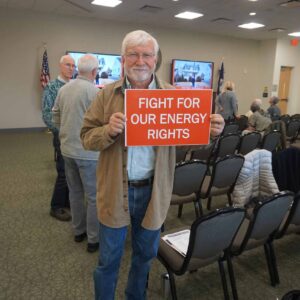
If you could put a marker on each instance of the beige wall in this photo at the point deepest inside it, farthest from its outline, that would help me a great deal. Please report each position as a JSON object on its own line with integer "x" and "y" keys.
{"x": 289, "y": 56}
{"x": 22, "y": 35}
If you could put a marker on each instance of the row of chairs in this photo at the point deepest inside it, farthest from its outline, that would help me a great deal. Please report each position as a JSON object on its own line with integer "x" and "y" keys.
{"x": 233, "y": 143}
{"x": 195, "y": 180}
{"x": 291, "y": 126}
{"x": 226, "y": 233}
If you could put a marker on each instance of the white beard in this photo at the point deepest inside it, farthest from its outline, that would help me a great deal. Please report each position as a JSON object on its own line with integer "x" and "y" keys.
{"x": 139, "y": 74}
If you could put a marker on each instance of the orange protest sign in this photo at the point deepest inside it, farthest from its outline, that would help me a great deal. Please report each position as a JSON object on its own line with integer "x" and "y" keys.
{"x": 167, "y": 117}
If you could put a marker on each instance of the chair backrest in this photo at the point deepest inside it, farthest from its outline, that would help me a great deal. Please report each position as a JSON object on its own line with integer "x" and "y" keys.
{"x": 249, "y": 142}
{"x": 263, "y": 221}
{"x": 226, "y": 171}
{"x": 227, "y": 145}
{"x": 291, "y": 223}
{"x": 271, "y": 140}
{"x": 285, "y": 118}
{"x": 204, "y": 153}
{"x": 292, "y": 128}
{"x": 212, "y": 234}
{"x": 188, "y": 177}
{"x": 231, "y": 127}
{"x": 295, "y": 116}
{"x": 242, "y": 122}
{"x": 180, "y": 154}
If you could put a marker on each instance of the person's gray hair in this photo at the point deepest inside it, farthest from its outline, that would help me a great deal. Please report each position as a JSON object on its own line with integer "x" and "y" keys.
{"x": 258, "y": 102}
{"x": 274, "y": 100}
{"x": 137, "y": 38}
{"x": 87, "y": 63}
{"x": 62, "y": 59}
{"x": 254, "y": 107}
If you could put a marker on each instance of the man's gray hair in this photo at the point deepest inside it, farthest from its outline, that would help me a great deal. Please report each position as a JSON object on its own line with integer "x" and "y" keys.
{"x": 137, "y": 38}
{"x": 87, "y": 63}
{"x": 62, "y": 59}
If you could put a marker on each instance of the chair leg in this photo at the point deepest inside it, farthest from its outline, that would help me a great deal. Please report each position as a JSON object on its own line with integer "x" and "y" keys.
{"x": 180, "y": 207}
{"x": 223, "y": 278}
{"x": 231, "y": 277}
{"x": 208, "y": 203}
{"x": 270, "y": 264}
{"x": 274, "y": 262}
{"x": 172, "y": 285}
{"x": 198, "y": 208}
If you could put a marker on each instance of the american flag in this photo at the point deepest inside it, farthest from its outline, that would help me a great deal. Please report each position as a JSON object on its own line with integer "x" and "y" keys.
{"x": 45, "y": 74}
{"x": 221, "y": 79}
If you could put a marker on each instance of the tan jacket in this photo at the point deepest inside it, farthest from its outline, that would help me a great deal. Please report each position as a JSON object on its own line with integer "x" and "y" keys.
{"x": 112, "y": 187}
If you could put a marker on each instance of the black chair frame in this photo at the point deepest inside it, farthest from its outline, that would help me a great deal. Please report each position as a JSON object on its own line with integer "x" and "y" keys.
{"x": 189, "y": 253}
{"x": 268, "y": 245}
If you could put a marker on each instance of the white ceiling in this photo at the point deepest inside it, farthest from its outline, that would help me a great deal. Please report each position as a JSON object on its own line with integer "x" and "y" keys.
{"x": 220, "y": 17}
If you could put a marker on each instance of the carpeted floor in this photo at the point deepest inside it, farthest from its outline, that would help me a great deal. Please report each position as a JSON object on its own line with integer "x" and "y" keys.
{"x": 40, "y": 261}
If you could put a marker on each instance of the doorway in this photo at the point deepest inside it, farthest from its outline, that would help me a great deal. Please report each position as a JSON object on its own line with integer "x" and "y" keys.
{"x": 284, "y": 87}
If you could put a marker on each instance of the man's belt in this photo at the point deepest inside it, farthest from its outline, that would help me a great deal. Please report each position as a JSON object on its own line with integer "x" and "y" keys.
{"x": 139, "y": 183}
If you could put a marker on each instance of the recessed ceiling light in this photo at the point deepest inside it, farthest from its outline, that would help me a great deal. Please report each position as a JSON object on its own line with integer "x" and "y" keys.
{"x": 253, "y": 0}
{"x": 252, "y": 13}
{"x": 251, "y": 25}
{"x": 295, "y": 34}
{"x": 108, "y": 3}
{"x": 189, "y": 15}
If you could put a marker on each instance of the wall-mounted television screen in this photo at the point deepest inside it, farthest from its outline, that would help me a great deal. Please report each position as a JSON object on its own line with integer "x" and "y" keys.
{"x": 110, "y": 68}
{"x": 189, "y": 74}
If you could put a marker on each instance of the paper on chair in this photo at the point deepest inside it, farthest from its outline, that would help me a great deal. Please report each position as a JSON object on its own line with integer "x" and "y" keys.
{"x": 179, "y": 241}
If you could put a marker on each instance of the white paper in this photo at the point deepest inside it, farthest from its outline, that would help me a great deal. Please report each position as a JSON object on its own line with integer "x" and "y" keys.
{"x": 179, "y": 241}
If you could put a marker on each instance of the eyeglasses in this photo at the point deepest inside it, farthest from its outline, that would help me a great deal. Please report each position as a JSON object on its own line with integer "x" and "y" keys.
{"x": 70, "y": 65}
{"x": 132, "y": 56}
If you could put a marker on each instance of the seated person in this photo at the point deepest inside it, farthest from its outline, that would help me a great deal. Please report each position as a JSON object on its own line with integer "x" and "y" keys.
{"x": 258, "y": 121}
{"x": 257, "y": 102}
{"x": 274, "y": 110}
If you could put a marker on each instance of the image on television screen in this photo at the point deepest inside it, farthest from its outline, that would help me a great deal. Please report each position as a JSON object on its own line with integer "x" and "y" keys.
{"x": 188, "y": 74}
{"x": 110, "y": 68}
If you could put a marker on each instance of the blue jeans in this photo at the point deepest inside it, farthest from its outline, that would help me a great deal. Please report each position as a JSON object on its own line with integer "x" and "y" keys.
{"x": 81, "y": 178}
{"x": 144, "y": 248}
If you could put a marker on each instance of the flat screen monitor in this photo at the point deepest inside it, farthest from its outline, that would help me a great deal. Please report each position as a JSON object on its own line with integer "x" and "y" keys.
{"x": 189, "y": 74}
{"x": 110, "y": 68}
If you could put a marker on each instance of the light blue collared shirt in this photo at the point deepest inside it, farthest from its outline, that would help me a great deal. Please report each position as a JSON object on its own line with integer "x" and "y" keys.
{"x": 141, "y": 159}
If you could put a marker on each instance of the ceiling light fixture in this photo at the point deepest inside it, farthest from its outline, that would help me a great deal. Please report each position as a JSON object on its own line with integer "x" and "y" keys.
{"x": 252, "y": 13}
{"x": 252, "y": 0}
{"x": 189, "y": 15}
{"x": 297, "y": 34}
{"x": 251, "y": 25}
{"x": 107, "y": 3}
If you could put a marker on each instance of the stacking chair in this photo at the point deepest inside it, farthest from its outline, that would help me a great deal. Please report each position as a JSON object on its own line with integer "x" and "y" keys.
{"x": 271, "y": 140}
{"x": 180, "y": 154}
{"x": 292, "y": 130}
{"x": 222, "y": 179}
{"x": 231, "y": 127}
{"x": 249, "y": 142}
{"x": 285, "y": 118}
{"x": 258, "y": 229}
{"x": 204, "y": 153}
{"x": 295, "y": 116}
{"x": 242, "y": 122}
{"x": 188, "y": 179}
{"x": 291, "y": 223}
{"x": 209, "y": 236}
{"x": 227, "y": 145}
